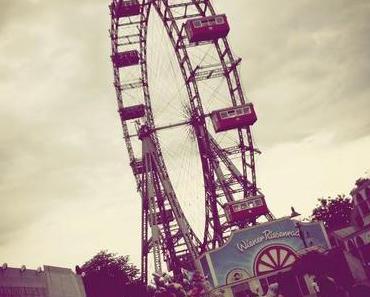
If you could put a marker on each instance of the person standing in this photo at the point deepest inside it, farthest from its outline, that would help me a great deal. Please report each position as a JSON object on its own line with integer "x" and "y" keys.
{"x": 315, "y": 286}
{"x": 327, "y": 286}
{"x": 273, "y": 290}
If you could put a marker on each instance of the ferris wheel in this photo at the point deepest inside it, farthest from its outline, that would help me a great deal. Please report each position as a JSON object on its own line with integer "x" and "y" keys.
{"x": 212, "y": 107}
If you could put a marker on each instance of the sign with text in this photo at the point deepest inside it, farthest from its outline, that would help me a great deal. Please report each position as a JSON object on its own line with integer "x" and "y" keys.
{"x": 244, "y": 248}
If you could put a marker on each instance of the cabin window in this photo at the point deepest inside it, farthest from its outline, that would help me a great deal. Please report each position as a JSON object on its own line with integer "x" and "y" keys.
{"x": 209, "y": 22}
{"x": 250, "y": 204}
{"x": 239, "y": 111}
{"x": 243, "y": 206}
{"x": 258, "y": 202}
{"x": 223, "y": 114}
{"x": 236, "y": 207}
{"x": 197, "y": 23}
{"x": 219, "y": 20}
{"x": 247, "y": 110}
{"x": 231, "y": 113}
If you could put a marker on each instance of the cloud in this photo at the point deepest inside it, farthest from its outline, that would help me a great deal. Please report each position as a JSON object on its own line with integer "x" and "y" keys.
{"x": 307, "y": 67}
{"x": 54, "y": 109}
{"x": 298, "y": 173}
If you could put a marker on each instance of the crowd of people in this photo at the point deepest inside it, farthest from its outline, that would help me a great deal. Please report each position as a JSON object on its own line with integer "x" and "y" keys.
{"x": 166, "y": 286}
{"x": 323, "y": 285}
{"x": 198, "y": 286}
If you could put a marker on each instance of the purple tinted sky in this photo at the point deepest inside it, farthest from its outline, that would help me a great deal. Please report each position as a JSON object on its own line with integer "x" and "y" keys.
{"x": 65, "y": 187}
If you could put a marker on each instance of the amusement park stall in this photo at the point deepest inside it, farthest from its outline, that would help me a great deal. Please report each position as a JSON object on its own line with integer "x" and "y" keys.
{"x": 354, "y": 240}
{"x": 253, "y": 258}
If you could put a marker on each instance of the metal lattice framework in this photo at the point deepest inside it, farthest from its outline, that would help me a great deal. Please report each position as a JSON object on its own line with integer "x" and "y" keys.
{"x": 228, "y": 171}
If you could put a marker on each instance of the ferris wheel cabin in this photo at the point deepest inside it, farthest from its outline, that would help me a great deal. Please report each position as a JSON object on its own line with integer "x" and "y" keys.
{"x": 125, "y": 8}
{"x": 207, "y": 28}
{"x": 234, "y": 117}
{"x": 126, "y": 59}
{"x": 132, "y": 112}
{"x": 246, "y": 209}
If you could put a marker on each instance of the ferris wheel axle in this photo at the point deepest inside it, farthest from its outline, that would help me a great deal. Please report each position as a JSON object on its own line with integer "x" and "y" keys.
{"x": 150, "y": 130}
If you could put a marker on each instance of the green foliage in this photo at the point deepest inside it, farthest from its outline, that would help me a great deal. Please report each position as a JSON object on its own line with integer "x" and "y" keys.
{"x": 109, "y": 275}
{"x": 361, "y": 181}
{"x": 335, "y": 213}
{"x": 314, "y": 263}
{"x": 112, "y": 266}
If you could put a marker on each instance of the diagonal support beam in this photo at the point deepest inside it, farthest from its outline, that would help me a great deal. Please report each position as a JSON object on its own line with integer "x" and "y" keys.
{"x": 160, "y": 189}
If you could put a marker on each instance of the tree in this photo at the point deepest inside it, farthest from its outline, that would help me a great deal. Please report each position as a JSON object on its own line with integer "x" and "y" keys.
{"x": 330, "y": 264}
{"x": 314, "y": 263}
{"x": 361, "y": 181}
{"x": 335, "y": 213}
{"x": 109, "y": 275}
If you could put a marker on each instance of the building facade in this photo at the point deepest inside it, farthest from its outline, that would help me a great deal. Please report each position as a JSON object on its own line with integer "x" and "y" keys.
{"x": 48, "y": 282}
{"x": 253, "y": 258}
{"x": 354, "y": 240}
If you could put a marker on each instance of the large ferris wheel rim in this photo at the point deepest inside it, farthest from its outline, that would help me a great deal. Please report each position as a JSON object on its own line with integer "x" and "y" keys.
{"x": 174, "y": 33}
{"x": 144, "y": 20}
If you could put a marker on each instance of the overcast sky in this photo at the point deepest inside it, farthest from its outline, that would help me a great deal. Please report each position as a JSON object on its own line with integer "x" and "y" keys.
{"x": 66, "y": 191}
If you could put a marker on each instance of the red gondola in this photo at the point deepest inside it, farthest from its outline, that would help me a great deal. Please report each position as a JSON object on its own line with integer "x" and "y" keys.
{"x": 125, "y": 59}
{"x": 246, "y": 209}
{"x": 233, "y": 117}
{"x": 125, "y": 8}
{"x": 132, "y": 112}
{"x": 207, "y": 28}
